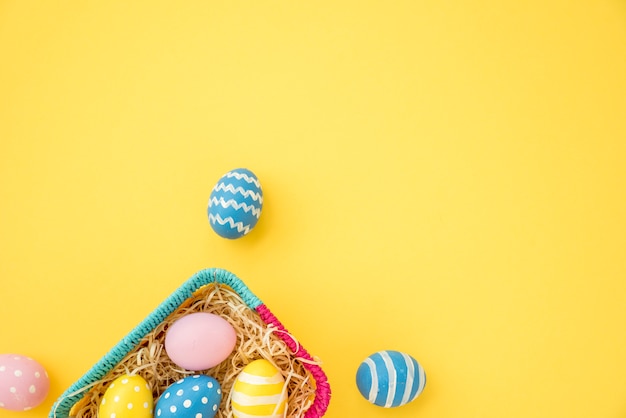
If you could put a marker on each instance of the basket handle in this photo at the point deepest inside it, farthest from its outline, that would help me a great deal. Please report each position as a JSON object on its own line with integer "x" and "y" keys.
{"x": 322, "y": 387}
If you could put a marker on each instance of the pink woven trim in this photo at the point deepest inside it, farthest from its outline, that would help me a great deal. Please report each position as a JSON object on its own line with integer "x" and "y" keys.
{"x": 322, "y": 391}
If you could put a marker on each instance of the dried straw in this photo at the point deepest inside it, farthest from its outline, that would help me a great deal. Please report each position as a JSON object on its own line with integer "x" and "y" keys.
{"x": 255, "y": 340}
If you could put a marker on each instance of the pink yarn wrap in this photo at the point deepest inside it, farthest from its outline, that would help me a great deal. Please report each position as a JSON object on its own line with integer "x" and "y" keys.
{"x": 322, "y": 388}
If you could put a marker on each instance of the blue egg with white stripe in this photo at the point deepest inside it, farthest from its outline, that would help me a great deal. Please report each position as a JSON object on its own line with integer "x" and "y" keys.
{"x": 390, "y": 378}
{"x": 235, "y": 203}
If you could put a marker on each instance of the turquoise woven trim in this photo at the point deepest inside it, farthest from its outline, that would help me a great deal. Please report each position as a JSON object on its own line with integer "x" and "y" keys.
{"x": 74, "y": 393}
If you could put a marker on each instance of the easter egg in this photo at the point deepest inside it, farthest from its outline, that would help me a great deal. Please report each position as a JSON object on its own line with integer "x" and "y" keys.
{"x": 24, "y": 382}
{"x": 390, "y": 378}
{"x": 196, "y": 396}
{"x": 199, "y": 341}
{"x": 235, "y": 203}
{"x": 127, "y": 397}
{"x": 259, "y": 392}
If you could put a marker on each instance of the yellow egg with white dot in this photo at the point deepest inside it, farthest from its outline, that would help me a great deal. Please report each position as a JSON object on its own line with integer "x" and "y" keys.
{"x": 259, "y": 391}
{"x": 127, "y": 397}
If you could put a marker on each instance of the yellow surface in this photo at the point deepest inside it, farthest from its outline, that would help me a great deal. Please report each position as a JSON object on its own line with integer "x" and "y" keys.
{"x": 127, "y": 397}
{"x": 248, "y": 396}
{"x": 442, "y": 178}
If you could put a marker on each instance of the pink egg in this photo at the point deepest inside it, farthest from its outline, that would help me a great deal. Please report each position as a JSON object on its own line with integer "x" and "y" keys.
{"x": 199, "y": 341}
{"x": 24, "y": 383}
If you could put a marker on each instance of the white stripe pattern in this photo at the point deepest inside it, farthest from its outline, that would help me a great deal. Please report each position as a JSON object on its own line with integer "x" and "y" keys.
{"x": 391, "y": 372}
{"x": 422, "y": 377}
{"x": 239, "y": 414}
{"x": 247, "y": 400}
{"x": 230, "y": 221}
{"x": 374, "y": 374}
{"x": 390, "y": 378}
{"x": 410, "y": 378}
{"x": 232, "y": 202}
{"x": 243, "y": 176}
{"x": 260, "y": 380}
{"x": 234, "y": 190}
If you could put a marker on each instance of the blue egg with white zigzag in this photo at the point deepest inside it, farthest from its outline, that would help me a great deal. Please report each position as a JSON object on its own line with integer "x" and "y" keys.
{"x": 235, "y": 203}
{"x": 390, "y": 378}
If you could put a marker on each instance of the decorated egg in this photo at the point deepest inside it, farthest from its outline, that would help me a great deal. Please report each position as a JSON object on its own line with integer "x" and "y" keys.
{"x": 199, "y": 341}
{"x": 196, "y": 396}
{"x": 127, "y": 397}
{"x": 390, "y": 378}
{"x": 259, "y": 392}
{"x": 24, "y": 382}
{"x": 235, "y": 203}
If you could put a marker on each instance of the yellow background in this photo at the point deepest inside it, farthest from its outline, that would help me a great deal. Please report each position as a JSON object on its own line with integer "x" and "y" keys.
{"x": 443, "y": 178}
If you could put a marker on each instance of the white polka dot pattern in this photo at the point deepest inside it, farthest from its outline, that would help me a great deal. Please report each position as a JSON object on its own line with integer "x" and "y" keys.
{"x": 196, "y": 396}
{"x": 22, "y": 385}
{"x": 127, "y": 397}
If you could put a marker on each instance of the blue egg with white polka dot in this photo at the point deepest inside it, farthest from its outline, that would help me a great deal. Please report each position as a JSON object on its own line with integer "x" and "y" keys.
{"x": 196, "y": 396}
{"x": 390, "y": 378}
{"x": 235, "y": 203}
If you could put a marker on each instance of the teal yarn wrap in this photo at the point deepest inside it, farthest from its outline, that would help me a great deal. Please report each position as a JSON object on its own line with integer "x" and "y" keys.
{"x": 62, "y": 407}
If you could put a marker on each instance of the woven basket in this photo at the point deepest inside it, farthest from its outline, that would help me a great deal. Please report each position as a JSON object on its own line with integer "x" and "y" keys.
{"x": 260, "y": 335}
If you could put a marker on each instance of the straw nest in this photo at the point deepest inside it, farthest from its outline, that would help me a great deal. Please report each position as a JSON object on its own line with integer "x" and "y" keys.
{"x": 255, "y": 340}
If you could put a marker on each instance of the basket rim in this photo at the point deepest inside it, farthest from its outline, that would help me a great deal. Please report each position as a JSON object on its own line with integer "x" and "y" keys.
{"x": 62, "y": 406}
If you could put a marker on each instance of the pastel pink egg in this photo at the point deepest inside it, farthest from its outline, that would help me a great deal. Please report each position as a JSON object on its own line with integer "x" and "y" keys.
{"x": 199, "y": 341}
{"x": 24, "y": 383}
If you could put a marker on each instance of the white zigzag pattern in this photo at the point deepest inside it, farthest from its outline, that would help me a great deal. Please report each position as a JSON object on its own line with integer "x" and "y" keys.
{"x": 229, "y": 220}
{"x": 246, "y": 193}
{"x": 247, "y": 178}
{"x": 232, "y": 202}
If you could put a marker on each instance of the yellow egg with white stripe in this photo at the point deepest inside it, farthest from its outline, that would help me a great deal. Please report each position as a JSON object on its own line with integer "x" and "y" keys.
{"x": 259, "y": 392}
